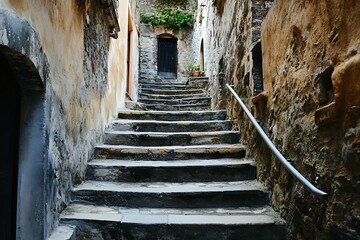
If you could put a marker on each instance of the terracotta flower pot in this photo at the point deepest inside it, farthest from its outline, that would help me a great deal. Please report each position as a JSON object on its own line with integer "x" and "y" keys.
{"x": 196, "y": 74}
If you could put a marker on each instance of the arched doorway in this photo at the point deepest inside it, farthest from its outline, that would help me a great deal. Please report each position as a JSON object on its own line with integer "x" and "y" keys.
{"x": 167, "y": 56}
{"x": 24, "y": 71}
{"x": 202, "y": 67}
{"x": 22, "y": 148}
{"x": 10, "y": 101}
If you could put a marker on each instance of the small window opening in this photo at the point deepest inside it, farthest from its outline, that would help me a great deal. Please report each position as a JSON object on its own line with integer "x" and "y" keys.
{"x": 325, "y": 86}
{"x": 257, "y": 70}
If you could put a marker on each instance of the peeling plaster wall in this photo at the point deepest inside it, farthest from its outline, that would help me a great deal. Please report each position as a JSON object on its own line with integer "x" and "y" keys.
{"x": 85, "y": 82}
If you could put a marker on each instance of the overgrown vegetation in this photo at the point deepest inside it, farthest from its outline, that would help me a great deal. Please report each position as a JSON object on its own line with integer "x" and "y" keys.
{"x": 169, "y": 15}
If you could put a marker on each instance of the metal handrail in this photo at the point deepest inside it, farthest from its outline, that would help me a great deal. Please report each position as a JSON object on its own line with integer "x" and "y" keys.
{"x": 309, "y": 186}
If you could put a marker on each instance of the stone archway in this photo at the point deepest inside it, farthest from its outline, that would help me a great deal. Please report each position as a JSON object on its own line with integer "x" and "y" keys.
{"x": 24, "y": 70}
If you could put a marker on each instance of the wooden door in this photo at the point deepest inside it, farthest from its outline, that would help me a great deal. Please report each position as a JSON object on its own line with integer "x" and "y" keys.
{"x": 167, "y": 57}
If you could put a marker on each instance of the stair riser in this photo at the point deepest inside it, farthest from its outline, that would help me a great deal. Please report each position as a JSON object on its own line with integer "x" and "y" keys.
{"x": 185, "y": 116}
{"x": 159, "y": 107}
{"x": 202, "y": 101}
{"x": 172, "y": 174}
{"x": 170, "y": 92}
{"x": 171, "y": 127}
{"x": 250, "y": 198}
{"x": 170, "y": 97}
{"x": 171, "y": 87}
{"x": 90, "y": 229}
{"x": 200, "y": 84}
{"x": 167, "y": 155}
{"x": 169, "y": 140}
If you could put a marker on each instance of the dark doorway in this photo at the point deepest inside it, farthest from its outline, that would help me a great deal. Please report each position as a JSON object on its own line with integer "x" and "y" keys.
{"x": 202, "y": 66}
{"x": 167, "y": 57}
{"x": 257, "y": 69}
{"x": 10, "y": 102}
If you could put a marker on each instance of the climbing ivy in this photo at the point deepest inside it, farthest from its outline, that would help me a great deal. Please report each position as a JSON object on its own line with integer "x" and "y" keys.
{"x": 168, "y": 16}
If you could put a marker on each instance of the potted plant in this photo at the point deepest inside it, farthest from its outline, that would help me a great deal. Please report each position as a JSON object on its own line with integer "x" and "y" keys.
{"x": 194, "y": 70}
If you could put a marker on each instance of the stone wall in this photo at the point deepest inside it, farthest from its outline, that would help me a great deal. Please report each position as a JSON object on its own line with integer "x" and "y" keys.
{"x": 307, "y": 63}
{"x": 149, "y": 44}
{"x": 84, "y": 76}
{"x": 311, "y": 70}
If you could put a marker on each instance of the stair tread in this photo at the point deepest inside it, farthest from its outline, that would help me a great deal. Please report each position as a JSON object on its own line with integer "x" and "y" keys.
{"x": 171, "y": 187}
{"x": 212, "y": 133}
{"x": 207, "y": 147}
{"x": 177, "y": 163}
{"x": 119, "y": 121}
{"x": 178, "y": 99}
{"x": 168, "y": 112}
{"x": 148, "y": 216}
{"x": 172, "y": 91}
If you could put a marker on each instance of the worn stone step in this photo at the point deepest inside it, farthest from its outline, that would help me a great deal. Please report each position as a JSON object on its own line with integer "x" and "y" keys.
{"x": 168, "y": 153}
{"x": 199, "y": 82}
{"x": 169, "y": 86}
{"x": 170, "y": 138}
{"x": 64, "y": 232}
{"x": 163, "y": 81}
{"x": 170, "y": 126}
{"x": 171, "y": 171}
{"x": 155, "y": 96}
{"x": 179, "y": 101}
{"x": 168, "y": 224}
{"x": 170, "y": 92}
{"x": 180, "y": 107}
{"x": 172, "y": 195}
{"x": 173, "y": 115}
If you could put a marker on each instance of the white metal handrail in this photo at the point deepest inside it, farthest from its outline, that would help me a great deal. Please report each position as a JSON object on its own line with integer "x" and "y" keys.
{"x": 272, "y": 147}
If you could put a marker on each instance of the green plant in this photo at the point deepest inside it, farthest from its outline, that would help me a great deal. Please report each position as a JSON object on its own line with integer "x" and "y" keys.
{"x": 191, "y": 68}
{"x": 169, "y": 17}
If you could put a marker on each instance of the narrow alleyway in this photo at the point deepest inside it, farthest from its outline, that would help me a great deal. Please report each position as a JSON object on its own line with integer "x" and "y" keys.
{"x": 172, "y": 175}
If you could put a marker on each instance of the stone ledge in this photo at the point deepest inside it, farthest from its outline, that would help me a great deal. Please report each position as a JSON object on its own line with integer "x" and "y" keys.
{"x": 110, "y": 8}
{"x": 326, "y": 114}
{"x": 260, "y": 97}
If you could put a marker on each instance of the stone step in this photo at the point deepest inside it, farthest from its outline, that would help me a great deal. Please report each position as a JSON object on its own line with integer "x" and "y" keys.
{"x": 168, "y": 224}
{"x": 63, "y": 232}
{"x": 179, "y": 101}
{"x": 155, "y": 96}
{"x": 170, "y": 92}
{"x": 170, "y": 138}
{"x": 168, "y": 153}
{"x": 166, "y": 82}
{"x": 171, "y": 171}
{"x": 169, "y": 86}
{"x": 170, "y": 126}
{"x": 199, "y": 82}
{"x": 173, "y": 115}
{"x": 180, "y": 107}
{"x": 172, "y": 195}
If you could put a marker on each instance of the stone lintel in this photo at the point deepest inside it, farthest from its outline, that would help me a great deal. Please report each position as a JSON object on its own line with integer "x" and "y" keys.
{"x": 326, "y": 114}
{"x": 260, "y": 97}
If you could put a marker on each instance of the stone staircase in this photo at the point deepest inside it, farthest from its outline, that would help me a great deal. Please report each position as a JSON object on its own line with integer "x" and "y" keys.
{"x": 172, "y": 175}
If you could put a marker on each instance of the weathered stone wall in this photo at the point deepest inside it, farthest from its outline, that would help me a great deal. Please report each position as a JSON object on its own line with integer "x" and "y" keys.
{"x": 84, "y": 78}
{"x": 149, "y": 44}
{"x": 311, "y": 61}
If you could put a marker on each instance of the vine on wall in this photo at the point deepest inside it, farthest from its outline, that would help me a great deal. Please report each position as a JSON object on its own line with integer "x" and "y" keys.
{"x": 169, "y": 15}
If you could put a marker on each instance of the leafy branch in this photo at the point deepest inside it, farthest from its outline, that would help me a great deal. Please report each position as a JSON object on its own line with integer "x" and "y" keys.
{"x": 169, "y": 17}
